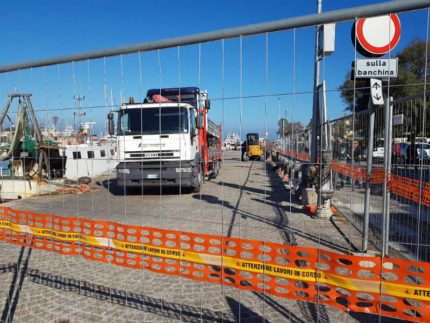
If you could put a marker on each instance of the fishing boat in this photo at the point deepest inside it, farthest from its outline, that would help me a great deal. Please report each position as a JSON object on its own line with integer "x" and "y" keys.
{"x": 31, "y": 159}
{"x": 89, "y": 156}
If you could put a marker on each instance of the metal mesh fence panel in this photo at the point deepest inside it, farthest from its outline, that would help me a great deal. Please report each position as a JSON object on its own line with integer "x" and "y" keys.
{"x": 123, "y": 200}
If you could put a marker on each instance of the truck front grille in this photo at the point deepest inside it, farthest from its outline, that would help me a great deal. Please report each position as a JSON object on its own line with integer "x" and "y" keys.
{"x": 151, "y": 155}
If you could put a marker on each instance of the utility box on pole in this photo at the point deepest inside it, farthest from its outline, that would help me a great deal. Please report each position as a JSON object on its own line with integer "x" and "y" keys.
{"x": 327, "y": 39}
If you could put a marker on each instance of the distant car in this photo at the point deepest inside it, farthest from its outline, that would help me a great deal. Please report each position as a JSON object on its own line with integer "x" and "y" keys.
{"x": 378, "y": 150}
{"x": 423, "y": 150}
{"x": 423, "y": 140}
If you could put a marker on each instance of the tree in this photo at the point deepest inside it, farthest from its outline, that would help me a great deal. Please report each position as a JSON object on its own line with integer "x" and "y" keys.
{"x": 409, "y": 81}
{"x": 292, "y": 127}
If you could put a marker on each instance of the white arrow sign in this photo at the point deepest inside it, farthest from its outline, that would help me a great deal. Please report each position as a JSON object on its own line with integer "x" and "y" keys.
{"x": 376, "y": 92}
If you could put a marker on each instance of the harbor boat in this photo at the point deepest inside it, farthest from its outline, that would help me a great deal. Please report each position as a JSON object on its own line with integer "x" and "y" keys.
{"x": 232, "y": 141}
{"x": 31, "y": 159}
{"x": 86, "y": 155}
{"x": 89, "y": 160}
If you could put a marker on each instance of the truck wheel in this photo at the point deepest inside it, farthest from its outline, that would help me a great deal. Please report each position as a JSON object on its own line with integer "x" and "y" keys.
{"x": 215, "y": 169}
{"x": 218, "y": 167}
{"x": 198, "y": 180}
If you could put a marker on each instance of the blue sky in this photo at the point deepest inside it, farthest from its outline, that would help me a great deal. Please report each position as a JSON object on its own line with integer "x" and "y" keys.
{"x": 41, "y": 29}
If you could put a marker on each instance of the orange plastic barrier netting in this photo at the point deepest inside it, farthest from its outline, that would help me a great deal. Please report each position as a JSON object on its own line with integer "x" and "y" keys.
{"x": 396, "y": 288}
{"x": 402, "y": 186}
{"x": 411, "y": 189}
{"x": 377, "y": 175}
{"x": 305, "y": 157}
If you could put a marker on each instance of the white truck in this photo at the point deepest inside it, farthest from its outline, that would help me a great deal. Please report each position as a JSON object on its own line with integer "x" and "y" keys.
{"x": 167, "y": 140}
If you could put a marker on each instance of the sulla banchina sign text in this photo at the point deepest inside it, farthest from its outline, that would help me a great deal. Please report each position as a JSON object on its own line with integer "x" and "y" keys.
{"x": 375, "y": 67}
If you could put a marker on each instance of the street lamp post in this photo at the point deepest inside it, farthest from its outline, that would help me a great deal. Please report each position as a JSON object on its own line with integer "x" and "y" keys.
{"x": 286, "y": 125}
{"x": 279, "y": 111}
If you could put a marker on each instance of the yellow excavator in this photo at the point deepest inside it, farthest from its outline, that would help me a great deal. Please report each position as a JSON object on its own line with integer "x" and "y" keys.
{"x": 252, "y": 148}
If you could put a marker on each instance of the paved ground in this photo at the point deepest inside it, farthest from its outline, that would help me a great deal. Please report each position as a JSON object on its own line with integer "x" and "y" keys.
{"x": 409, "y": 221}
{"x": 247, "y": 200}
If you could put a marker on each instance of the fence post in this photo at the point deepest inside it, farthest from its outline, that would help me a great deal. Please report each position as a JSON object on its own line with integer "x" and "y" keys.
{"x": 315, "y": 109}
{"x": 387, "y": 166}
{"x": 368, "y": 175}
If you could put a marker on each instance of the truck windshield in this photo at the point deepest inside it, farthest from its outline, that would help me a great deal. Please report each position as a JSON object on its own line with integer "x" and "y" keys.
{"x": 148, "y": 121}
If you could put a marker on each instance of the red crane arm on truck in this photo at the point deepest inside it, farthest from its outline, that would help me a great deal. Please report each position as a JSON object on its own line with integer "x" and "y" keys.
{"x": 209, "y": 153}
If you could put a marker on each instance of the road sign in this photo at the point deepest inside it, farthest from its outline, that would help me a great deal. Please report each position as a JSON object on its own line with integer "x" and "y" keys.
{"x": 376, "y": 36}
{"x": 375, "y": 67}
{"x": 397, "y": 119}
{"x": 266, "y": 134}
{"x": 376, "y": 92}
{"x": 282, "y": 123}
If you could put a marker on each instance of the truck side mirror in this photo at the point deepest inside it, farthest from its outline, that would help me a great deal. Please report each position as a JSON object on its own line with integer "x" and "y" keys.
{"x": 110, "y": 124}
{"x": 199, "y": 121}
{"x": 208, "y": 104}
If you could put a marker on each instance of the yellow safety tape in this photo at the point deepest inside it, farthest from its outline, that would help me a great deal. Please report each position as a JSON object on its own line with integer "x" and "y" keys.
{"x": 310, "y": 275}
{"x": 60, "y": 235}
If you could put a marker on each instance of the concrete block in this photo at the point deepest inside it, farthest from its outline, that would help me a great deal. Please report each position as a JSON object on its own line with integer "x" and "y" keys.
{"x": 309, "y": 196}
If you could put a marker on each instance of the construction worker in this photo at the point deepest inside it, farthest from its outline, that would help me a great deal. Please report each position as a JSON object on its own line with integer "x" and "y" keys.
{"x": 243, "y": 150}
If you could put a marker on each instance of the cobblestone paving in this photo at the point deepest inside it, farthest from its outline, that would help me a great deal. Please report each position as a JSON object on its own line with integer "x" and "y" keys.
{"x": 247, "y": 200}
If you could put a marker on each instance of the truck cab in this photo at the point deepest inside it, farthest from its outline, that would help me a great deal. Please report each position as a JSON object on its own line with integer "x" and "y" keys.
{"x": 163, "y": 140}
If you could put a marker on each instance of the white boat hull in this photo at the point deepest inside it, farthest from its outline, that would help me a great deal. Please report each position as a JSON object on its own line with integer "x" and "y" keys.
{"x": 16, "y": 188}
{"x": 89, "y": 160}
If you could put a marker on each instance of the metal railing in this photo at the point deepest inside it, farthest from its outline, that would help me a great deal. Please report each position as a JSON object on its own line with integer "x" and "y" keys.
{"x": 407, "y": 175}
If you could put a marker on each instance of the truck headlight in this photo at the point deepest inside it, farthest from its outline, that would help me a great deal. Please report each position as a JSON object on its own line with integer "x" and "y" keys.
{"x": 184, "y": 170}
{"x": 123, "y": 171}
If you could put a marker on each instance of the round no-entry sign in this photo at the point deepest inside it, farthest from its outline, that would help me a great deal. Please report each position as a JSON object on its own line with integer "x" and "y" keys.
{"x": 376, "y": 36}
{"x": 266, "y": 134}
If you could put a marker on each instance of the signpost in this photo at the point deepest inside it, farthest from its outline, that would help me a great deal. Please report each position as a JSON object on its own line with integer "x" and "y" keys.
{"x": 376, "y": 36}
{"x": 376, "y": 92}
{"x": 376, "y": 67}
{"x": 282, "y": 123}
{"x": 397, "y": 119}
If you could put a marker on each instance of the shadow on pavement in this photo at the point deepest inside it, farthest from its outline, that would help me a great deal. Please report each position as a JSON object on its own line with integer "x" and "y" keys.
{"x": 20, "y": 273}
{"x": 114, "y": 189}
{"x": 243, "y": 313}
{"x": 309, "y": 311}
{"x": 136, "y": 301}
{"x": 215, "y": 200}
